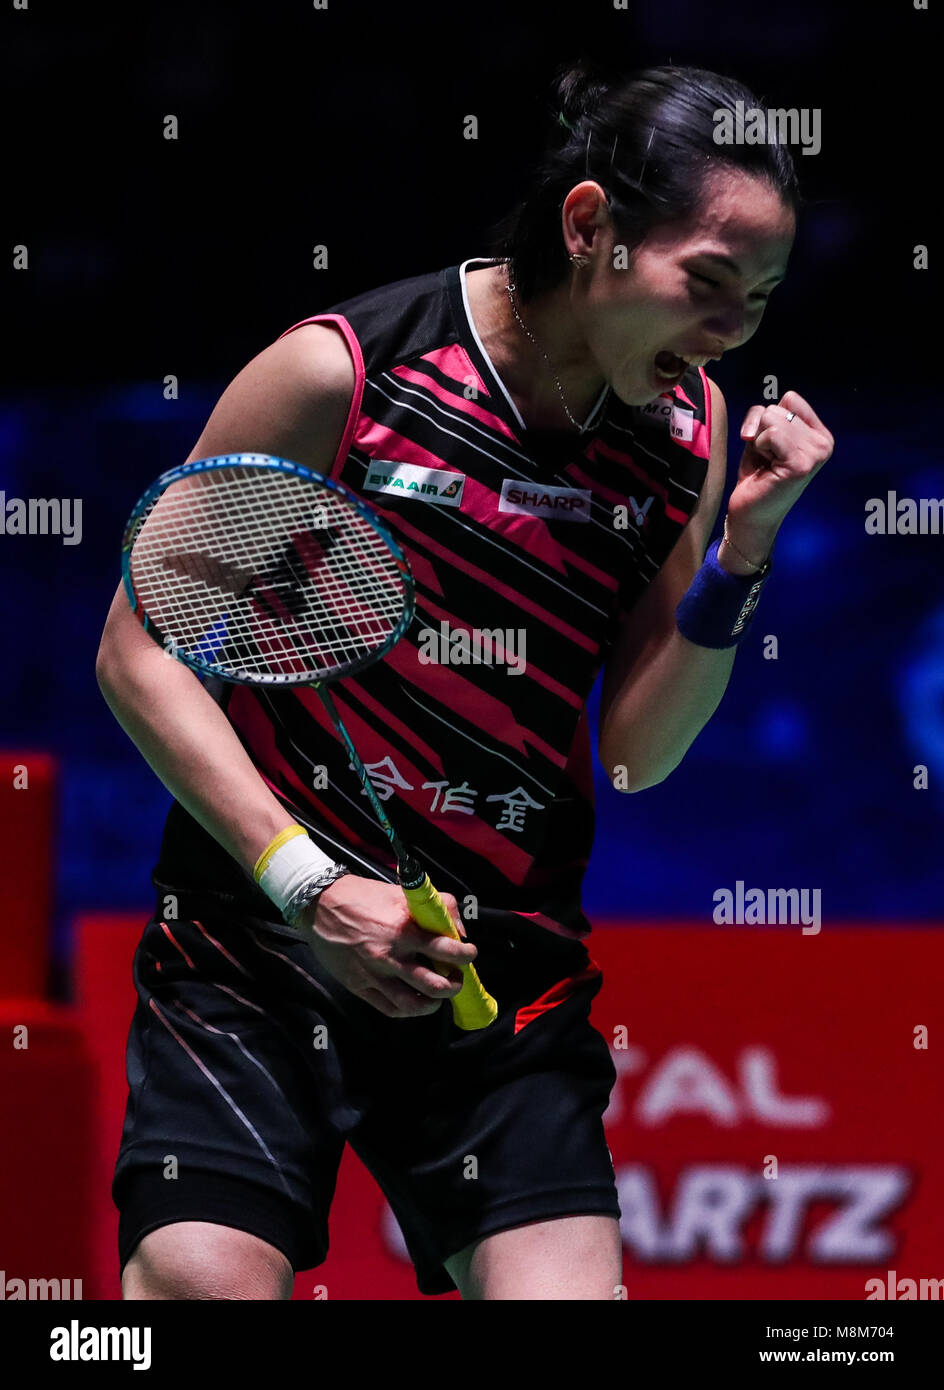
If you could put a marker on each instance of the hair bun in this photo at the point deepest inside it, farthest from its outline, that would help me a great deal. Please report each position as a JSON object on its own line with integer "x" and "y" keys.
{"x": 577, "y": 88}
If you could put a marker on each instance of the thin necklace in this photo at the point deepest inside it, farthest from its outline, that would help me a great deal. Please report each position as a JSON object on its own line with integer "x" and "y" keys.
{"x": 511, "y": 288}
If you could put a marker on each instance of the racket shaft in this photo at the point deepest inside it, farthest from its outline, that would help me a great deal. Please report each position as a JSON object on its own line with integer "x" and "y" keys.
{"x": 382, "y": 818}
{"x": 473, "y": 1007}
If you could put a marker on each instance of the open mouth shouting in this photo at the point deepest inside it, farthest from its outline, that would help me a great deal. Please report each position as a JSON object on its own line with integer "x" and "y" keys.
{"x": 669, "y": 367}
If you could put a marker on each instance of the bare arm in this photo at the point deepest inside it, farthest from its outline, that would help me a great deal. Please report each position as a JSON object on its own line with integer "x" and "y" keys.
{"x": 292, "y": 400}
{"x": 659, "y": 689}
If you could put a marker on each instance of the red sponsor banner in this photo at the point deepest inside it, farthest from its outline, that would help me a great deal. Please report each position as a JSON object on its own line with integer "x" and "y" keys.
{"x": 775, "y": 1129}
{"x": 734, "y": 1047}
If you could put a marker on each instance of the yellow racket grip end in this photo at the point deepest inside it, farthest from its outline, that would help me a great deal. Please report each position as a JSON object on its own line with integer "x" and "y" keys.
{"x": 473, "y": 1007}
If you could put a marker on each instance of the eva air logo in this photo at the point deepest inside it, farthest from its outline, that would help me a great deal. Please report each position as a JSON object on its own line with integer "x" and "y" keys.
{"x": 441, "y": 486}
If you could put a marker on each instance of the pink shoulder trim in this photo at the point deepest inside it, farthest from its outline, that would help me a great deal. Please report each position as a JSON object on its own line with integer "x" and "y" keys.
{"x": 350, "y": 338}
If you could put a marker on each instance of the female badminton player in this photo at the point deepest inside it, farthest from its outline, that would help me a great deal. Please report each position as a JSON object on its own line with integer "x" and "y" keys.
{"x": 536, "y": 430}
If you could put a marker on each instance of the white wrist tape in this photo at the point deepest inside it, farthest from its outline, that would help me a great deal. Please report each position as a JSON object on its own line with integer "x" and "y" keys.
{"x": 292, "y": 865}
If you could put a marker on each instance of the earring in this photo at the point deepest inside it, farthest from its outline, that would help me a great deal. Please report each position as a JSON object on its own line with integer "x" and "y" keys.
{"x": 579, "y": 261}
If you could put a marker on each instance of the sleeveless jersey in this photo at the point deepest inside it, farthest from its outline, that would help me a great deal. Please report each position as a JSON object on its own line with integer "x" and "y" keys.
{"x": 527, "y": 548}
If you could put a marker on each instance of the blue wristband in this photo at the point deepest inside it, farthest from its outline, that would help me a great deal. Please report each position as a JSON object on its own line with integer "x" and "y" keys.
{"x": 718, "y": 606}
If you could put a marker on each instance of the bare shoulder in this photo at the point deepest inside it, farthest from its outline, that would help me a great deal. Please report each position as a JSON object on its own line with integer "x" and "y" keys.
{"x": 292, "y": 399}
{"x": 319, "y": 350}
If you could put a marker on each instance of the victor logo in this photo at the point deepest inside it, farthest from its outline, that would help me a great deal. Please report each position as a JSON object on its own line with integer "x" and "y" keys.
{"x": 750, "y": 603}
{"x": 552, "y": 503}
{"x": 438, "y": 485}
{"x": 640, "y": 512}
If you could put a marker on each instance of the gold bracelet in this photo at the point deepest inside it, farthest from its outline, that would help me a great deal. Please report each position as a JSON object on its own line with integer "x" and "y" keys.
{"x": 730, "y": 542}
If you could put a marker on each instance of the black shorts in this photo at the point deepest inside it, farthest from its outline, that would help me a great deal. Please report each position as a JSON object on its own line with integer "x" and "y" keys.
{"x": 250, "y": 1066}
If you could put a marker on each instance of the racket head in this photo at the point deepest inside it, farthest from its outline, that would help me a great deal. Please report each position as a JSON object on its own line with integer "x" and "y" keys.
{"x": 263, "y": 572}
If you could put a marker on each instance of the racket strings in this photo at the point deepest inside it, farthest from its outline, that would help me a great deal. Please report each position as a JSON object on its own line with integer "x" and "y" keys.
{"x": 266, "y": 573}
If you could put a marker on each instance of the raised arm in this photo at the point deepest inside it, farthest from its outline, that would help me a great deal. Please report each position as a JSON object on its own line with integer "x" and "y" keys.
{"x": 660, "y": 689}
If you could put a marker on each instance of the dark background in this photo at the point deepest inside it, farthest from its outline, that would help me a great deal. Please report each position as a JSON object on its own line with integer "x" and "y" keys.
{"x": 343, "y": 126}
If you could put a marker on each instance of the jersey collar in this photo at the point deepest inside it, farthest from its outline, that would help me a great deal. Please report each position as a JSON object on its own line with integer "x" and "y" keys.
{"x": 458, "y": 293}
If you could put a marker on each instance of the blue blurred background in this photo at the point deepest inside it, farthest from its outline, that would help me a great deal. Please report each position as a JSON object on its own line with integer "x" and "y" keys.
{"x": 343, "y": 126}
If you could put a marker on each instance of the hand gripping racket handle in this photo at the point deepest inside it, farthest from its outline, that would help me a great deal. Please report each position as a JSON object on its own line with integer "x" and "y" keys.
{"x": 473, "y": 1006}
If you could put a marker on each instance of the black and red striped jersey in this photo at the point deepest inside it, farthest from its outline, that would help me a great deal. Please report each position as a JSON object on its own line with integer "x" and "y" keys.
{"x": 527, "y": 548}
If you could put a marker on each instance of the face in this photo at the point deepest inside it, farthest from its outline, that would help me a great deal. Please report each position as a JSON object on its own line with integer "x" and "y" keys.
{"x": 693, "y": 289}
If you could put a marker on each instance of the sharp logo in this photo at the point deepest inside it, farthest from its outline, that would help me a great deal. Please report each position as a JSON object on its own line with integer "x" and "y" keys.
{"x": 438, "y": 485}
{"x": 551, "y": 503}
